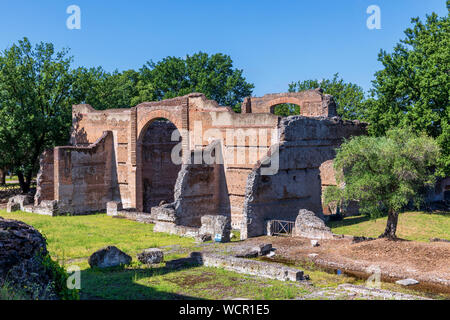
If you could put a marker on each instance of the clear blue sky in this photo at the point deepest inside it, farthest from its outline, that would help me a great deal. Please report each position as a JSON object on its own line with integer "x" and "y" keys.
{"x": 275, "y": 42}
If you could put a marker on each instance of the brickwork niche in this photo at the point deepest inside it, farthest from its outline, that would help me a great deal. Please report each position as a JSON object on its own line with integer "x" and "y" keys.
{"x": 159, "y": 173}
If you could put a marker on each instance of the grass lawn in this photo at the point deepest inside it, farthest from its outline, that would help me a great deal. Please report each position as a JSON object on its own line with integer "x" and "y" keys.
{"x": 418, "y": 226}
{"x": 71, "y": 239}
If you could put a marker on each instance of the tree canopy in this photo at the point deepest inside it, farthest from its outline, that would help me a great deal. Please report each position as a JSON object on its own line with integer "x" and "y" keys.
{"x": 212, "y": 75}
{"x": 35, "y": 112}
{"x": 412, "y": 90}
{"x": 104, "y": 90}
{"x": 384, "y": 173}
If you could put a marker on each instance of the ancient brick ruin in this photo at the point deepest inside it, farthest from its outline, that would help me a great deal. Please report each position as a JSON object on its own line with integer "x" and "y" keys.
{"x": 250, "y": 167}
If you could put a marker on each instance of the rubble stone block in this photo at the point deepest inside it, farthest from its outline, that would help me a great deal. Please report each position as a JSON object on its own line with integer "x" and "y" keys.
{"x": 109, "y": 256}
{"x": 309, "y": 225}
{"x": 247, "y": 253}
{"x": 407, "y": 282}
{"x": 21, "y": 200}
{"x": 216, "y": 225}
{"x": 47, "y": 207}
{"x": 151, "y": 256}
{"x": 12, "y": 206}
{"x": 263, "y": 248}
{"x": 112, "y": 208}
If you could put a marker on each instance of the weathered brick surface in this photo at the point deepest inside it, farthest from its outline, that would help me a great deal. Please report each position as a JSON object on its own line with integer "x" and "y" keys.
{"x": 125, "y": 155}
{"x": 45, "y": 179}
{"x": 313, "y": 103}
{"x": 85, "y": 177}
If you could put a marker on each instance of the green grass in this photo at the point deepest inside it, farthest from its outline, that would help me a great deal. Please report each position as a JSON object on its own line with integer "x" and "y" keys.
{"x": 75, "y": 237}
{"x": 417, "y": 226}
{"x": 141, "y": 282}
{"x": 71, "y": 239}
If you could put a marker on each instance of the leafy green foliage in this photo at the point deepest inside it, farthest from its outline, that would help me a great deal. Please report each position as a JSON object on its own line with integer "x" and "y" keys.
{"x": 212, "y": 75}
{"x": 384, "y": 173}
{"x": 34, "y": 104}
{"x": 59, "y": 278}
{"x": 104, "y": 90}
{"x": 412, "y": 90}
{"x": 349, "y": 97}
{"x": 171, "y": 77}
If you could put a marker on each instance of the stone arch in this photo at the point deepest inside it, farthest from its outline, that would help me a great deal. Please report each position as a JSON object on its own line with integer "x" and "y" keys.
{"x": 148, "y": 117}
{"x": 270, "y": 106}
{"x": 313, "y": 103}
{"x": 144, "y": 123}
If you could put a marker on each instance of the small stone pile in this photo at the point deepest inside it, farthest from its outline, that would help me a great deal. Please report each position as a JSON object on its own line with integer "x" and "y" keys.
{"x": 310, "y": 225}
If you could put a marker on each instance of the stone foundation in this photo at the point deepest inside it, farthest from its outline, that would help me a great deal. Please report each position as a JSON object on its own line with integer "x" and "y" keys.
{"x": 261, "y": 269}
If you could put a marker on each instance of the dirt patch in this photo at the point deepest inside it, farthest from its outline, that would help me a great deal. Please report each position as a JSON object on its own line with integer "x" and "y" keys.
{"x": 429, "y": 263}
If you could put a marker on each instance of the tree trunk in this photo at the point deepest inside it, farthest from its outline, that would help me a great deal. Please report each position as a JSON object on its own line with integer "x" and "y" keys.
{"x": 24, "y": 183}
{"x": 2, "y": 176}
{"x": 391, "y": 226}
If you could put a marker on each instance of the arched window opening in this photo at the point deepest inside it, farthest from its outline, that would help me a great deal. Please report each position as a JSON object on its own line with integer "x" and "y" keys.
{"x": 285, "y": 109}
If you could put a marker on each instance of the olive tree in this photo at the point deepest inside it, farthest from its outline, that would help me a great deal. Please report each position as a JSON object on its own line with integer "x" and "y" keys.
{"x": 384, "y": 174}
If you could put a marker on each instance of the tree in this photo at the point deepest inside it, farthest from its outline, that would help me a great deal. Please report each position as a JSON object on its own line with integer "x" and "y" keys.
{"x": 35, "y": 112}
{"x": 104, "y": 90}
{"x": 212, "y": 75}
{"x": 349, "y": 97}
{"x": 412, "y": 90}
{"x": 2, "y": 176}
{"x": 384, "y": 173}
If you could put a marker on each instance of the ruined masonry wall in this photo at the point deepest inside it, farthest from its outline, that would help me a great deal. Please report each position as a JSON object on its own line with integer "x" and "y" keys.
{"x": 90, "y": 124}
{"x": 200, "y": 190}
{"x": 306, "y": 143}
{"x": 243, "y": 144}
{"x": 45, "y": 189}
{"x": 85, "y": 177}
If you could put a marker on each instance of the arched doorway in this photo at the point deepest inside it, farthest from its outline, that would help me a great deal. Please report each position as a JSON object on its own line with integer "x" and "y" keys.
{"x": 158, "y": 170}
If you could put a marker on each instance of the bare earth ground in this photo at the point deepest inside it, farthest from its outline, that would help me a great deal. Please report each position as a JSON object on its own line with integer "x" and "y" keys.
{"x": 428, "y": 263}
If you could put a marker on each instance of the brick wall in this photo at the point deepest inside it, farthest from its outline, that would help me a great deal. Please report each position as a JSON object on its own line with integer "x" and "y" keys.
{"x": 85, "y": 177}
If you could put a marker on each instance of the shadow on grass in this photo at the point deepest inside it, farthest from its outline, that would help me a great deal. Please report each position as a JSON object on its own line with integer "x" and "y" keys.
{"x": 120, "y": 283}
{"x": 438, "y": 212}
{"x": 348, "y": 222}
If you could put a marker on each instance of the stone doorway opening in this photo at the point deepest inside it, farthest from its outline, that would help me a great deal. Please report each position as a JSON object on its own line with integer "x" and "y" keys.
{"x": 159, "y": 168}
